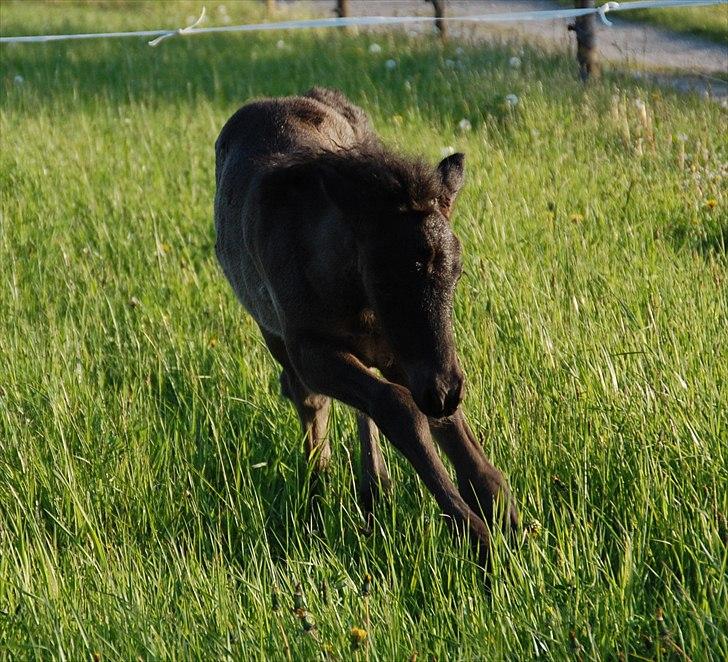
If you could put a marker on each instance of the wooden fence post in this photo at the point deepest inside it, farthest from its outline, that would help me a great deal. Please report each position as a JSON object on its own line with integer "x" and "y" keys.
{"x": 586, "y": 53}
{"x": 342, "y": 8}
{"x": 439, "y": 6}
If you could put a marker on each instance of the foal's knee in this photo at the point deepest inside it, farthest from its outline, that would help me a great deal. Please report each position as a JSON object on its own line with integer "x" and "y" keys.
{"x": 293, "y": 390}
{"x": 313, "y": 403}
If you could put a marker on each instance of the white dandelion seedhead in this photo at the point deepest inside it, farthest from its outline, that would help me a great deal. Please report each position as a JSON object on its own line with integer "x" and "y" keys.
{"x": 515, "y": 62}
{"x": 511, "y": 100}
{"x": 448, "y": 150}
{"x": 450, "y": 64}
{"x": 464, "y": 124}
{"x": 375, "y": 48}
{"x": 280, "y": 44}
{"x": 18, "y": 80}
{"x": 390, "y": 65}
{"x": 222, "y": 12}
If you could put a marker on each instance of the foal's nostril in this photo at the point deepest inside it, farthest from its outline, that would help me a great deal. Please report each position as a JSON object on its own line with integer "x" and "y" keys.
{"x": 460, "y": 388}
{"x": 439, "y": 401}
{"x": 454, "y": 397}
{"x": 434, "y": 402}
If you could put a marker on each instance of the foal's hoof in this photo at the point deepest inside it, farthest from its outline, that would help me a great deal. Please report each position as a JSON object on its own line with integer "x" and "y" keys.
{"x": 367, "y": 528}
{"x": 371, "y": 492}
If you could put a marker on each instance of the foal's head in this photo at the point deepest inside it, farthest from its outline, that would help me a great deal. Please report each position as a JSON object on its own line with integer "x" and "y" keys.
{"x": 410, "y": 261}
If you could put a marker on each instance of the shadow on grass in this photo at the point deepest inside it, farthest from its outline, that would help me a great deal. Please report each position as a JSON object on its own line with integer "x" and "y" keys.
{"x": 708, "y": 238}
{"x": 250, "y": 494}
{"x": 248, "y": 474}
{"x": 227, "y": 70}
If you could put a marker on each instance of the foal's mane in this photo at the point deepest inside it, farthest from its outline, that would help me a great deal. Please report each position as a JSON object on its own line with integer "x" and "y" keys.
{"x": 367, "y": 173}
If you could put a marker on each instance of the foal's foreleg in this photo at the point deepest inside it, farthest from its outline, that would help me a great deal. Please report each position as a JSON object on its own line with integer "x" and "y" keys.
{"x": 339, "y": 374}
{"x": 374, "y": 474}
{"x": 481, "y": 484}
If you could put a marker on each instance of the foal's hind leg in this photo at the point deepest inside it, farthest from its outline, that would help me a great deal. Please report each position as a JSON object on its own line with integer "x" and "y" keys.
{"x": 374, "y": 474}
{"x": 312, "y": 408}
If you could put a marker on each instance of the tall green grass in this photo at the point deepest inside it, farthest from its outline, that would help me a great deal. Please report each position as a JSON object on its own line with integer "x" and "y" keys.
{"x": 152, "y": 481}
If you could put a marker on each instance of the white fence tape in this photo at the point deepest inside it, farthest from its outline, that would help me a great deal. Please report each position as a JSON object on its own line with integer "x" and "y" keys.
{"x": 540, "y": 15}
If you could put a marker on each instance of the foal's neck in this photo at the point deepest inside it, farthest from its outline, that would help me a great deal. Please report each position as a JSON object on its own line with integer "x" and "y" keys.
{"x": 333, "y": 264}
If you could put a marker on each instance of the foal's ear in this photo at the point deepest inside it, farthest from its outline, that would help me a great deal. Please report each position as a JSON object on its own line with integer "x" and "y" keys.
{"x": 452, "y": 174}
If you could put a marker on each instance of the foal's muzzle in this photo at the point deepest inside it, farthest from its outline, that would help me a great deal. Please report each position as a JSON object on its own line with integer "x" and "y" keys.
{"x": 441, "y": 397}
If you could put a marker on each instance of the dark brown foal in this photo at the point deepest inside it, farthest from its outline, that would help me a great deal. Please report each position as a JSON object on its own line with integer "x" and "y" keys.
{"x": 343, "y": 252}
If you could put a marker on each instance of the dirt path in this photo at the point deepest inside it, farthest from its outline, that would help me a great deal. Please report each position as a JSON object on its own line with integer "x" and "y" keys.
{"x": 688, "y": 63}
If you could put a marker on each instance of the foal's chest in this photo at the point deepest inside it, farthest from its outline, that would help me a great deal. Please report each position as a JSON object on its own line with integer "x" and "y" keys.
{"x": 368, "y": 342}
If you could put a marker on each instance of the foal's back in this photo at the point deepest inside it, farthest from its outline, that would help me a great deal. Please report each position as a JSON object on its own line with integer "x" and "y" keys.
{"x": 248, "y": 146}
{"x": 320, "y": 119}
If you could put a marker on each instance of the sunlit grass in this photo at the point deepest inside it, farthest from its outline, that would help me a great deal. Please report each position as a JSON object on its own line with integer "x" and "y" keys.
{"x": 152, "y": 483}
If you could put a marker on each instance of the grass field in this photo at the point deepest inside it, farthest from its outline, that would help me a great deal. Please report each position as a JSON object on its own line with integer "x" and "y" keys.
{"x": 152, "y": 481}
